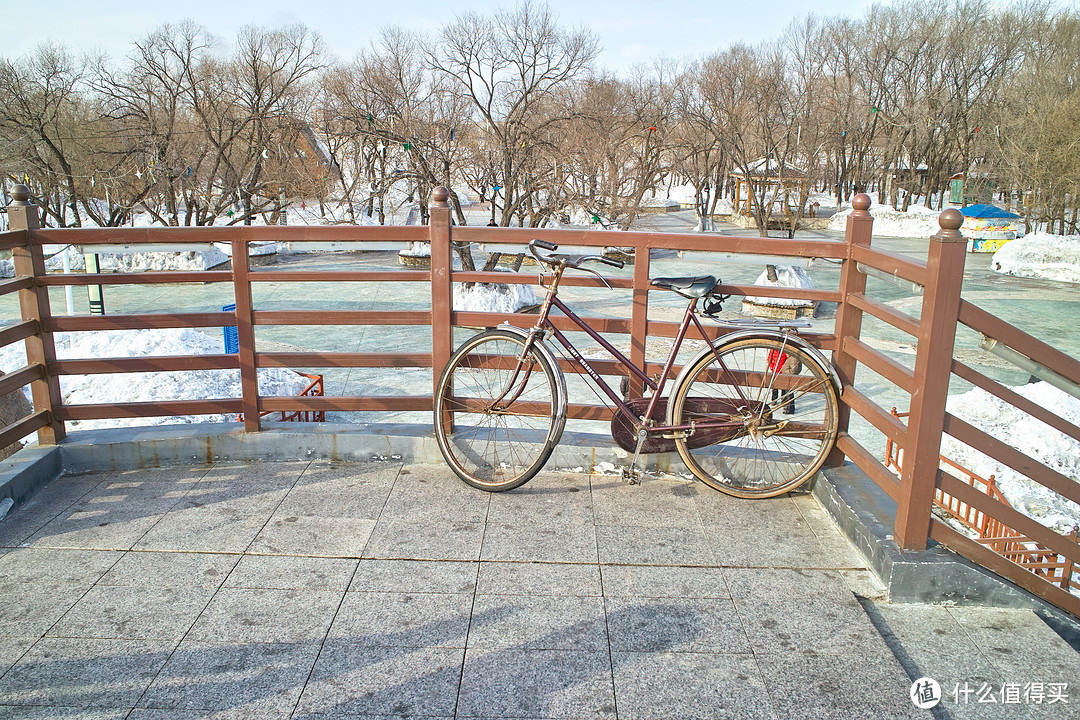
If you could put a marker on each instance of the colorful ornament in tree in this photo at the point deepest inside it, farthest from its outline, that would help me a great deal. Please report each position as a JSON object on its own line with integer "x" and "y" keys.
{"x": 229, "y": 212}
{"x": 652, "y": 128}
{"x": 595, "y": 219}
{"x": 407, "y": 146}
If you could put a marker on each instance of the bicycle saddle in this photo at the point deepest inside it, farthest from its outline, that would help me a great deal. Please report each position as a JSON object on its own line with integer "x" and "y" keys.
{"x": 698, "y": 286}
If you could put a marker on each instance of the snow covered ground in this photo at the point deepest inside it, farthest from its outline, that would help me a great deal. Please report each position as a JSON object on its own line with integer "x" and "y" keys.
{"x": 918, "y": 221}
{"x": 1019, "y": 430}
{"x": 1040, "y": 255}
{"x": 140, "y": 387}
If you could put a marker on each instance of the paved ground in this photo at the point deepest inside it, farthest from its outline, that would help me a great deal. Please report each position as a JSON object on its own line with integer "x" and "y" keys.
{"x": 313, "y": 590}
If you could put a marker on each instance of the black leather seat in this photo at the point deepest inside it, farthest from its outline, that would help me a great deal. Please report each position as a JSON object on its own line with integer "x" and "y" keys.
{"x": 696, "y": 287}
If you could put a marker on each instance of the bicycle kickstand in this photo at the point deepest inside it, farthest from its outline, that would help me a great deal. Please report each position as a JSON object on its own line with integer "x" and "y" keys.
{"x": 632, "y": 474}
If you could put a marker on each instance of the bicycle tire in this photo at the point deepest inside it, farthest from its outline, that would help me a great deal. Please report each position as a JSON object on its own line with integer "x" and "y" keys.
{"x": 497, "y": 449}
{"x": 764, "y": 451}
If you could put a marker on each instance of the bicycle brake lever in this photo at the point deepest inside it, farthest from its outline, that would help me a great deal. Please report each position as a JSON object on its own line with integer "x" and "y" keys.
{"x": 602, "y": 278}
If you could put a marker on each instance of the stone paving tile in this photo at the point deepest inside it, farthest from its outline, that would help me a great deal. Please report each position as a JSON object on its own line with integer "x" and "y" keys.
{"x": 291, "y": 573}
{"x": 351, "y": 680}
{"x": 243, "y": 615}
{"x": 94, "y": 527}
{"x": 762, "y": 533}
{"x": 252, "y": 677}
{"x": 539, "y": 623}
{"x": 210, "y": 528}
{"x": 47, "y": 503}
{"x": 12, "y": 648}
{"x": 517, "y": 683}
{"x": 838, "y": 687}
{"x": 539, "y": 542}
{"x": 382, "y": 619}
{"x": 17, "y": 712}
{"x": 150, "y": 613}
{"x": 661, "y": 581}
{"x": 708, "y": 625}
{"x": 230, "y": 714}
{"x": 930, "y": 643}
{"x": 170, "y": 569}
{"x": 549, "y": 499}
{"x": 149, "y": 491}
{"x": 314, "y": 535}
{"x": 515, "y": 578}
{"x": 430, "y": 538}
{"x": 659, "y": 502}
{"x": 341, "y": 490}
{"x": 84, "y": 672}
{"x": 32, "y": 609}
{"x": 690, "y": 686}
{"x": 836, "y": 548}
{"x": 1042, "y": 657}
{"x": 414, "y": 576}
{"x": 430, "y": 492}
{"x": 24, "y": 566}
{"x": 801, "y": 611}
{"x": 635, "y": 545}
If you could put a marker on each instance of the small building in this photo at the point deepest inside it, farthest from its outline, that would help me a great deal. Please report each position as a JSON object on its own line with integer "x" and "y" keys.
{"x": 772, "y": 181}
{"x": 987, "y": 227}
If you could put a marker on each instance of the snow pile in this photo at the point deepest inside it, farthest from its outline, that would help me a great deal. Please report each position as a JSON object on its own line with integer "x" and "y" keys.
{"x": 787, "y": 276}
{"x": 144, "y": 387}
{"x": 135, "y": 262}
{"x": 918, "y": 221}
{"x": 492, "y": 297}
{"x": 1019, "y": 430}
{"x": 656, "y": 202}
{"x": 255, "y": 249}
{"x": 1040, "y": 255}
{"x": 417, "y": 250}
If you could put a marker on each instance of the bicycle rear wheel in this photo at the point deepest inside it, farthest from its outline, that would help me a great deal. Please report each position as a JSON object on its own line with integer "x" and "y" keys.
{"x": 764, "y": 417}
{"x": 499, "y": 411}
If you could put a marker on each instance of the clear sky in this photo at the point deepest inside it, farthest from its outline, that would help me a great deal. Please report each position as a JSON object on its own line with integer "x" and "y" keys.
{"x": 629, "y": 30}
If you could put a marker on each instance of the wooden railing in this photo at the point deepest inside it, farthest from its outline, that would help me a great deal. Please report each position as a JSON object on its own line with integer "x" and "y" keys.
{"x": 989, "y": 531}
{"x": 926, "y": 380}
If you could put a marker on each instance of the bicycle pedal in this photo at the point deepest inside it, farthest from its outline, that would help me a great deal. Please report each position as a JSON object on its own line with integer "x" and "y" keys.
{"x": 631, "y": 476}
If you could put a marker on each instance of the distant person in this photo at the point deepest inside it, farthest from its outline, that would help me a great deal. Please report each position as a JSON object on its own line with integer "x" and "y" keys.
{"x": 493, "y": 223}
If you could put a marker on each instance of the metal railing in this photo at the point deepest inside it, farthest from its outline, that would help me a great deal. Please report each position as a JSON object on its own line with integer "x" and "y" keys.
{"x": 927, "y": 381}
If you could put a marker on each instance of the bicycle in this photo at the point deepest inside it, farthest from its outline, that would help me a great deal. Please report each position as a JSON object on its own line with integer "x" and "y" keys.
{"x": 753, "y": 415}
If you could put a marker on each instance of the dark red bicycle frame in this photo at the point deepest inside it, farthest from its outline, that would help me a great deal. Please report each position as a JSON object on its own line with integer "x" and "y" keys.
{"x": 543, "y": 324}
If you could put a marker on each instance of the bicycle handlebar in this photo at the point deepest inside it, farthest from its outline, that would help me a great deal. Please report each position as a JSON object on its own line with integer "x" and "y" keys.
{"x": 571, "y": 261}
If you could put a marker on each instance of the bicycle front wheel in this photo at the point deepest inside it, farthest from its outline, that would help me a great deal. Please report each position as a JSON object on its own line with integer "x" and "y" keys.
{"x": 761, "y": 415}
{"x": 499, "y": 411}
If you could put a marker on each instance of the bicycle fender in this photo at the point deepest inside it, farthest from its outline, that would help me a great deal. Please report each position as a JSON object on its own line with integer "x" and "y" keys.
{"x": 748, "y": 335}
{"x": 560, "y": 379}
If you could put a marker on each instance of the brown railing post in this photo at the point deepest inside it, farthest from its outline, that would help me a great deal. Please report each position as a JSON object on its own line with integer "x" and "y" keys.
{"x": 639, "y": 317}
{"x": 933, "y": 368}
{"x": 442, "y": 334}
{"x": 245, "y": 333}
{"x": 34, "y": 304}
{"x": 859, "y": 229}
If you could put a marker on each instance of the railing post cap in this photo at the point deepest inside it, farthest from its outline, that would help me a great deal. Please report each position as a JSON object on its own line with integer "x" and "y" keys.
{"x": 861, "y": 202}
{"x": 20, "y": 194}
{"x": 951, "y": 219}
{"x": 440, "y": 195}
